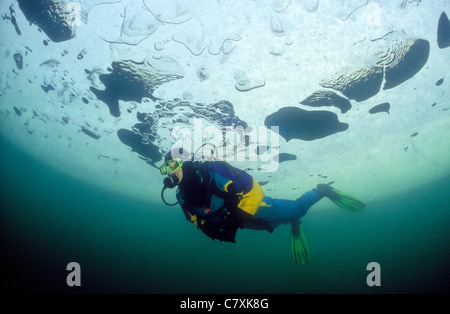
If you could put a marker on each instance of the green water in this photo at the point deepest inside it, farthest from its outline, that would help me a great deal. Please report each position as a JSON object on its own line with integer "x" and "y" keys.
{"x": 127, "y": 246}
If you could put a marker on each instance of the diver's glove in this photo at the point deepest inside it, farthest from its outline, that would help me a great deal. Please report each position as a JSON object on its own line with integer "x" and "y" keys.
{"x": 325, "y": 190}
{"x": 170, "y": 183}
{"x": 224, "y": 231}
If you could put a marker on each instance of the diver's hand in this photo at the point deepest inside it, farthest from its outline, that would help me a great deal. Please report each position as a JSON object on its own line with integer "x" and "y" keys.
{"x": 168, "y": 183}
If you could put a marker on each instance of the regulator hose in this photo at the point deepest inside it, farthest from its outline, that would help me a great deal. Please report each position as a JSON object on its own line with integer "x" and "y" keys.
{"x": 168, "y": 183}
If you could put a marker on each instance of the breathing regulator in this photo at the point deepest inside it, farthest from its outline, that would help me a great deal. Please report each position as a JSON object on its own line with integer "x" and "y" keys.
{"x": 169, "y": 183}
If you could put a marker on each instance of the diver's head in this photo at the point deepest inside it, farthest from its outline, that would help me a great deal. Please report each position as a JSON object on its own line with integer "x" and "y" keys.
{"x": 173, "y": 168}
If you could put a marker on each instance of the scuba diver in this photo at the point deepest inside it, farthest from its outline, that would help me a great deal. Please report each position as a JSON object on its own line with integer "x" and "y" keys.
{"x": 219, "y": 199}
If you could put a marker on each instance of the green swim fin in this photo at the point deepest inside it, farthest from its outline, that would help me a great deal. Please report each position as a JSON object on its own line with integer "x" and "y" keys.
{"x": 348, "y": 201}
{"x": 299, "y": 247}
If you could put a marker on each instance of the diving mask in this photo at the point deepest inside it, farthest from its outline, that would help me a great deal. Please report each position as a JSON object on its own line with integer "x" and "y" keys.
{"x": 173, "y": 164}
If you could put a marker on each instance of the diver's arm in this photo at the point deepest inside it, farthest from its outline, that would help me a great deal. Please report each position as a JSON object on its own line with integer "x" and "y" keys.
{"x": 189, "y": 217}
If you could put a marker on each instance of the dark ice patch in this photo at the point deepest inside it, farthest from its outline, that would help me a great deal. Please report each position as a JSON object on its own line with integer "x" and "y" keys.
{"x": 327, "y": 99}
{"x": 123, "y": 84}
{"x": 286, "y": 157}
{"x": 90, "y": 132}
{"x": 50, "y": 15}
{"x": 118, "y": 88}
{"x": 148, "y": 151}
{"x": 409, "y": 64}
{"x": 202, "y": 74}
{"x": 414, "y": 134}
{"x": 384, "y": 107}
{"x": 440, "y": 82}
{"x": 131, "y": 81}
{"x": 262, "y": 149}
{"x": 295, "y": 123}
{"x": 47, "y": 88}
{"x": 443, "y": 31}
{"x": 18, "y": 58}
{"x": 51, "y": 63}
{"x": 17, "y": 111}
{"x": 81, "y": 54}
{"x": 169, "y": 113}
{"x": 220, "y": 114}
{"x": 12, "y": 18}
{"x": 359, "y": 85}
{"x": 366, "y": 87}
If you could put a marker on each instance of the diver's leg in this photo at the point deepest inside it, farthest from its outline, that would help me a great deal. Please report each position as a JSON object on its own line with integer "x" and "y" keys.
{"x": 279, "y": 211}
{"x": 307, "y": 200}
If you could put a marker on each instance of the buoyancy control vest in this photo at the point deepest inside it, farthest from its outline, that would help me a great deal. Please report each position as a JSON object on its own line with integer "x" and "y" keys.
{"x": 200, "y": 192}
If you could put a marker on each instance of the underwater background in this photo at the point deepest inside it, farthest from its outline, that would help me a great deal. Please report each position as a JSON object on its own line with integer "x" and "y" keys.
{"x": 123, "y": 245}
{"x": 93, "y": 93}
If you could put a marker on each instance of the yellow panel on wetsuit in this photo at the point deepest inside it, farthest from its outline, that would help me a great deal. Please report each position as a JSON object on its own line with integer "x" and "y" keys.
{"x": 251, "y": 200}
{"x": 194, "y": 219}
